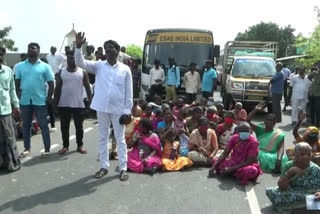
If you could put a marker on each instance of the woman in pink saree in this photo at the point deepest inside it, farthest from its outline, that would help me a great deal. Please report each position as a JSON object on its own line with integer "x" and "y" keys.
{"x": 146, "y": 149}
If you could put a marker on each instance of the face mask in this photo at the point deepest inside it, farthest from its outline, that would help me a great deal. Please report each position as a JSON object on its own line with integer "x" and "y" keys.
{"x": 244, "y": 135}
{"x": 228, "y": 120}
{"x": 210, "y": 116}
{"x": 203, "y": 128}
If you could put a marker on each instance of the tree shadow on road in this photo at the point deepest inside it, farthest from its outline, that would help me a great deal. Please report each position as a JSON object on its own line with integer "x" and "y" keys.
{"x": 59, "y": 194}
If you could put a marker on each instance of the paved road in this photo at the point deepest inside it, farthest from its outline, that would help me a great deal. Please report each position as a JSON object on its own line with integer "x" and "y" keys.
{"x": 64, "y": 184}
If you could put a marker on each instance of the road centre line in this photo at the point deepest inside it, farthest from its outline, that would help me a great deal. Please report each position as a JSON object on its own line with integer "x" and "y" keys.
{"x": 252, "y": 199}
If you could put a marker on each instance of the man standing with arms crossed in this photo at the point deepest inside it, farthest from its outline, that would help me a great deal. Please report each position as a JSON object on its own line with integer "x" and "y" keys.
{"x": 112, "y": 101}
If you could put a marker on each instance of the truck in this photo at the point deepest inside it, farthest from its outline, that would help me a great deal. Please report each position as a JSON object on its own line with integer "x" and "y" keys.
{"x": 246, "y": 68}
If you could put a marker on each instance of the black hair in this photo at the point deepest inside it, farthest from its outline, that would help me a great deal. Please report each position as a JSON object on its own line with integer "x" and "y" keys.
{"x": 71, "y": 52}
{"x": 112, "y": 42}
{"x": 146, "y": 123}
{"x": 156, "y": 61}
{"x": 192, "y": 64}
{"x": 314, "y": 68}
{"x": 271, "y": 116}
{"x": 231, "y": 113}
{"x": 197, "y": 109}
{"x": 203, "y": 120}
{"x": 34, "y": 44}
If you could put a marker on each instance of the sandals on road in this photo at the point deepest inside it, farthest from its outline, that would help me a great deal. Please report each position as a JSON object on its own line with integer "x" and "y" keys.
{"x": 102, "y": 172}
{"x": 123, "y": 175}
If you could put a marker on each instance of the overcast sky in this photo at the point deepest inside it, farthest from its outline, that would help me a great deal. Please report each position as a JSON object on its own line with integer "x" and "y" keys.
{"x": 126, "y": 21}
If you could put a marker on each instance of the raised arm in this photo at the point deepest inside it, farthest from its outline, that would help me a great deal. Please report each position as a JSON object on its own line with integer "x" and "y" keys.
{"x": 90, "y": 66}
{"x": 258, "y": 107}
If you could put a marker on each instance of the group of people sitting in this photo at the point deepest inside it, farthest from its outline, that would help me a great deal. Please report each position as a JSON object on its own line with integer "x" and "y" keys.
{"x": 172, "y": 137}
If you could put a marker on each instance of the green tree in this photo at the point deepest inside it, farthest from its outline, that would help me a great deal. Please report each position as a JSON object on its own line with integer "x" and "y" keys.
{"x": 5, "y": 42}
{"x": 311, "y": 47}
{"x": 273, "y": 33}
{"x": 134, "y": 51}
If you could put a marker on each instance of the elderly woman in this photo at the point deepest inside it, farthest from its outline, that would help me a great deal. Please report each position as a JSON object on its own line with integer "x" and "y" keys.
{"x": 146, "y": 149}
{"x": 203, "y": 144}
{"x": 298, "y": 179}
{"x": 310, "y": 136}
{"x": 271, "y": 141}
{"x": 243, "y": 163}
{"x": 171, "y": 159}
{"x": 240, "y": 114}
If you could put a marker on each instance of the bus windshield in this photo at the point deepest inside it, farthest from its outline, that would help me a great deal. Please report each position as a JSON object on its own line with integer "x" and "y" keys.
{"x": 184, "y": 53}
{"x": 253, "y": 68}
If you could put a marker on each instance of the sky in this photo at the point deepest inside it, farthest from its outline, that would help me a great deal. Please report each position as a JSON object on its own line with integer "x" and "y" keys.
{"x": 127, "y": 21}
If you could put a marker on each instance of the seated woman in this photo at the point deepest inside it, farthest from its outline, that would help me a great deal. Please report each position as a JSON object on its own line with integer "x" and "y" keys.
{"x": 310, "y": 136}
{"x": 193, "y": 121}
{"x": 179, "y": 105}
{"x": 146, "y": 150}
{"x": 157, "y": 119}
{"x": 182, "y": 132}
{"x": 147, "y": 112}
{"x": 271, "y": 141}
{"x": 220, "y": 110}
{"x": 243, "y": 162}
{"x": 240, "y": 114}
{"x": 171, "y": 160}
{"x": 213, "y": 118}
{"x": 203, "y": 144}
{"x": 130, "y": 129}
{"x": 298, "y": 179}
{"x": 226, "y": 129}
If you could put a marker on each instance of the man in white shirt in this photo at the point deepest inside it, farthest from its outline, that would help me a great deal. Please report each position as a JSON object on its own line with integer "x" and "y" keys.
{"x": 300, "y": 86}
{"x": 157, "y": 77}
{"x": 112, "y": 101}
{"x": 192, "y": 83}
{"x": 55, "y": 60}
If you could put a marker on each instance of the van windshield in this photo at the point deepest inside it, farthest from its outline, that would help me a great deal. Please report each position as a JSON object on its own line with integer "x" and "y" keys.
{"x": 253, "y": 68}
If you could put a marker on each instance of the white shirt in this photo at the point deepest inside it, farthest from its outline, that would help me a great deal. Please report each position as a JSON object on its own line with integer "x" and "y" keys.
{"x": 300, "y": 87}
{"x": 113, "y": 86}
{"x": 56, "y": 61}
{"x": 156, "y": 74}
{"x": 192, "y": 82}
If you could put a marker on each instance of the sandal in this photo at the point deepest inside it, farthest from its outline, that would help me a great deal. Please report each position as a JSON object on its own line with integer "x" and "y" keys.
{"x": 24, "y": 154}
{"x": 102, "y": 172}
{"x": 82, "y": 150}
{"x": 123, "y": 175}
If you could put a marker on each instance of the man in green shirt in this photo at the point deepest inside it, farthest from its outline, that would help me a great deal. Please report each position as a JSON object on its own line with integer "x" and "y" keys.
{"x": 9, "y": 156}
{"x": 314, "y": 92}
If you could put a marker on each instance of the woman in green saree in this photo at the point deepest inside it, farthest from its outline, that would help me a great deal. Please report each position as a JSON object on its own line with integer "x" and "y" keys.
{"x": 299, "y": 178}
{"x": 271, "y": 141}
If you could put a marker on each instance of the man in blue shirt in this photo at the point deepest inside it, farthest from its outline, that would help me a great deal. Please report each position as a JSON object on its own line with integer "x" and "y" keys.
{"x": 31, "y": 78}
{"x": 276, "y": 90}
{"x": 209, "y": 80}
{"x": 173, "y": 80}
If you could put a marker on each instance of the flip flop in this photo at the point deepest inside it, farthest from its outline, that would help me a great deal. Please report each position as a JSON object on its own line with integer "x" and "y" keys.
{"x": 102, "y": 172}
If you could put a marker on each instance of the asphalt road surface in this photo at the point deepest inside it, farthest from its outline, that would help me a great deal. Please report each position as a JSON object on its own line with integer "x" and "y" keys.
{"x": 64, "y": 184}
